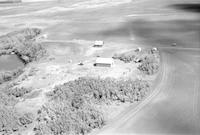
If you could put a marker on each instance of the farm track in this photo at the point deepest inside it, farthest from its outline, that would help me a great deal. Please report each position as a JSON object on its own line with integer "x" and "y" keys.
{"x": 166, "y": 86}
{"x": 129, "y": 113}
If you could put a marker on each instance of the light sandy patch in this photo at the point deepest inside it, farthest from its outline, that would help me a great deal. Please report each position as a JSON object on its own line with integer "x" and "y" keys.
{"x": 93, "y": 50}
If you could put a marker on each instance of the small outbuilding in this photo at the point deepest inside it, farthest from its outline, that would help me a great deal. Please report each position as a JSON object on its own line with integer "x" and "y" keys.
{"x": 41, "y": 37}
{"x": 154, "y": 49}
{"x": 104, "y": 62}
{"x": 139, "y": 49}
{"x": 174, "y": 44}
{"x": 98, "y": 43}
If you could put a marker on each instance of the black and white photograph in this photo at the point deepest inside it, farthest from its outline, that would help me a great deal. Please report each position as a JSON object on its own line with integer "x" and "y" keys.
{"x": 99, "y": 67}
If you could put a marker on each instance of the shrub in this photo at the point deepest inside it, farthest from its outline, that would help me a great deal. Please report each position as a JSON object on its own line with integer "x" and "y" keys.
{"x": 22, "y": 43}
{"x": 150, "y": 65}
{"x": 8, "y": 115}
{"x": 33, "y": 94}
{"x": 26, "y": 119}
{"x": 11, "y": 121}
{"x": 127, "y": 58}
{"x": 30, "y": 51}
{"x": 17, "y": 92}
{"x": 59, "y": 118}
{"x": 149, "y": 59}
{"x": 10, "y": 75}
{"x": 6, "y": 100}
{"x": 8, "y": 119}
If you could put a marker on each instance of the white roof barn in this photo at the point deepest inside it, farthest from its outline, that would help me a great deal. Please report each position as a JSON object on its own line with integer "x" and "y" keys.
{"x": 139, "y": 49}
{"x": 98, "y": 43}
{"x": 104, "y": 62}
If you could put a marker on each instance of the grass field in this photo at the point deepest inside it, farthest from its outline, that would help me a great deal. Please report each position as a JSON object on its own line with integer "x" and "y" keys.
{"x": 71, "y": 29}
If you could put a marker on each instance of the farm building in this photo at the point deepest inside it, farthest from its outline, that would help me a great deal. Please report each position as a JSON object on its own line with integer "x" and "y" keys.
{"x": 104, "y": 62}
{"x": 139, "y": 49}
{"x": 41, "y": 37}
{"x": 98, "y": 44}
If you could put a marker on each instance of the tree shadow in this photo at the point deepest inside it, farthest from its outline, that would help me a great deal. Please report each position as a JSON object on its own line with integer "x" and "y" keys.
{"x": 187, "y": 7}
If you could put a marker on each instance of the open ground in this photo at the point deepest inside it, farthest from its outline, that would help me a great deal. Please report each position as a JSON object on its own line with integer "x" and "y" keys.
{"x": 71, "y": 28}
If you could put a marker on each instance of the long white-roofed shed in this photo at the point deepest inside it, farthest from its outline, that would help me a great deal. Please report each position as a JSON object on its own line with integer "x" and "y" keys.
{"x": 98, "y": 43}
{"x": 104, "y": 62}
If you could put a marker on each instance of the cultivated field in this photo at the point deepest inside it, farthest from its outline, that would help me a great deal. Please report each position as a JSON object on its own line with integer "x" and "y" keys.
{"x": 70, "y": 29}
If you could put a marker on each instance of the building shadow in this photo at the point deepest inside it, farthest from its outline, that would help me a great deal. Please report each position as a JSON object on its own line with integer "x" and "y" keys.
{"x": 187, "y": 7}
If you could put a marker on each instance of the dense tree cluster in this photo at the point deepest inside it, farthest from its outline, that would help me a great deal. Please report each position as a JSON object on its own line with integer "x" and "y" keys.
{"x": 22, "y": 44}
{"x": 61, "y": 117}
{"x": 10, "y": 120}
{"x": 149, "y": 60}
{"x": 71, "y": 107}
{"x": 150, "y": 63}
{"x": 98, "y": 90}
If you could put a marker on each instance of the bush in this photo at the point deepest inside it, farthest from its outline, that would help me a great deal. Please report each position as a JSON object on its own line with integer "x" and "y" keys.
{"x": 30, "y": 51}
{"x": 9, "y": 75}
{"x": 8, "y": 116}
{"x": 8, "y": 120}
{"x": 8, "y": 96}
{"x": 149, "y": 59}
{"x": 11, "y": 121}
{"x": 26, "y": 119}
{"x": 127, "y": 58}
{"x": 17, "y": 92}
{"x": 150, "y": 65}
{"x": 22, "y": 43}
{"x": 59, "y": 118}
{"x": 14, "y": 39}
{"x": 6, "y": 100}
{"x": 33, "y": 94}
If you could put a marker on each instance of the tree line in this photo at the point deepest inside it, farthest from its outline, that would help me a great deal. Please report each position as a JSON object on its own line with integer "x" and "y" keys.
{"x": 71, "y": 107}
